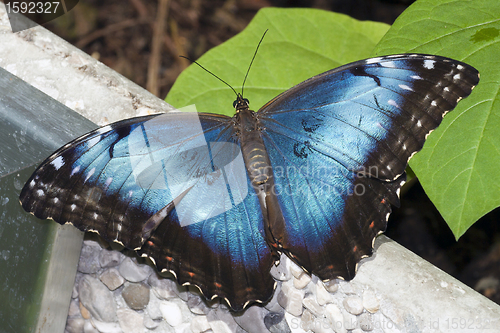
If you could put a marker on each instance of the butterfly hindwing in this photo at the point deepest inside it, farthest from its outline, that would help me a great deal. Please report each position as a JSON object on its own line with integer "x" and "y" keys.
{"x": 339, "y": 144}
{"x": 224, "y": 256}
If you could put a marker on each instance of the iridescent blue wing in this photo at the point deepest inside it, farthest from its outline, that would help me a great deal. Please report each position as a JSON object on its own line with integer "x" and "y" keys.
{"x": 339, "y": 144}
{"x": 173, "y": 187}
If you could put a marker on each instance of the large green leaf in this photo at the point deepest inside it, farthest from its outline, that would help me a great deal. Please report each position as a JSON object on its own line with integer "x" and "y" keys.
{"x": 300, "y": 43}
{"x": 458, "y": 166}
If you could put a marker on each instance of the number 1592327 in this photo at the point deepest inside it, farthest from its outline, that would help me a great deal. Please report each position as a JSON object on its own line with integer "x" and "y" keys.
{"x": 38, "y": 7}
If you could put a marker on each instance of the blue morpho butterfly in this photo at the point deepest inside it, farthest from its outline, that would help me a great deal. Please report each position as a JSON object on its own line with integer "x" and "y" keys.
{"x": 215, "y": 200}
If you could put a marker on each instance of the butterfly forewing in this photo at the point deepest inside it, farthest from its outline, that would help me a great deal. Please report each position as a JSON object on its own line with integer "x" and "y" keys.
{"x": 339, "y": 144}
{"x": 172, "y": 186}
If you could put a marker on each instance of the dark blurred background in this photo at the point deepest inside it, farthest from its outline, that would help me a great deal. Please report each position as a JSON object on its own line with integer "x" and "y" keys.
{"x": 120, "y": 33}
{"x": 142, "y": 40}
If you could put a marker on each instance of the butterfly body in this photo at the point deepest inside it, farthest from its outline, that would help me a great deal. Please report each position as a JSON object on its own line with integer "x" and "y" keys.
{"x": 252, "y": 146}
{"x": 215, "y": 200}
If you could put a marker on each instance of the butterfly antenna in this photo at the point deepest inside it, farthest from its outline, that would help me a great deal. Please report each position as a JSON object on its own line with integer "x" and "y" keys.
{"x": 227, "y": 84}
{"x": 251, "y": 62}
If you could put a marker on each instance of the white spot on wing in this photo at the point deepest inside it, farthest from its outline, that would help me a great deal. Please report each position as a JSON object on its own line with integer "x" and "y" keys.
{"x": 104, "y": 129}
{"x": 405, "y": 87}
{"x": 373, "y": 60}
{"x": 456, "y": 77}
{"x": 32, "y": 183}
{"x": 388, "y": 64}
{"x": 40, "y": 193}
{"x": 75, "y": 170}
{"x": 92, "y": 142}
{"x": 429, "y": 64}
{"x": 393, "y": 103}
{"x": 91, "y": 172}
{"x": 108, "y": 182}
{"x": 58, "y": 162}
{"x": 73, "y": 207}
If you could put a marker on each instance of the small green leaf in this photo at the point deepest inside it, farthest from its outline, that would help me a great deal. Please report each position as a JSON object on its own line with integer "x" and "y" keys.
{"x": 458, "y": 166}
{"x": 300, "y": 43}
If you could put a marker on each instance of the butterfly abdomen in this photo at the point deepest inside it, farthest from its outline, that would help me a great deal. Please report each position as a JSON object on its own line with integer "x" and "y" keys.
{"x": 254, "y": 151}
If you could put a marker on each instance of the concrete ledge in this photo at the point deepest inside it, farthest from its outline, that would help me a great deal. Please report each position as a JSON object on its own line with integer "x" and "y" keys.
{"x": 422, "y": 298}
{"x": 71, "y": 76}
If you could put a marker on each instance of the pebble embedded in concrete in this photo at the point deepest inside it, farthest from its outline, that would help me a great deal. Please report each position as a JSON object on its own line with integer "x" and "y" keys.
{"x": 136, "y": 296}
